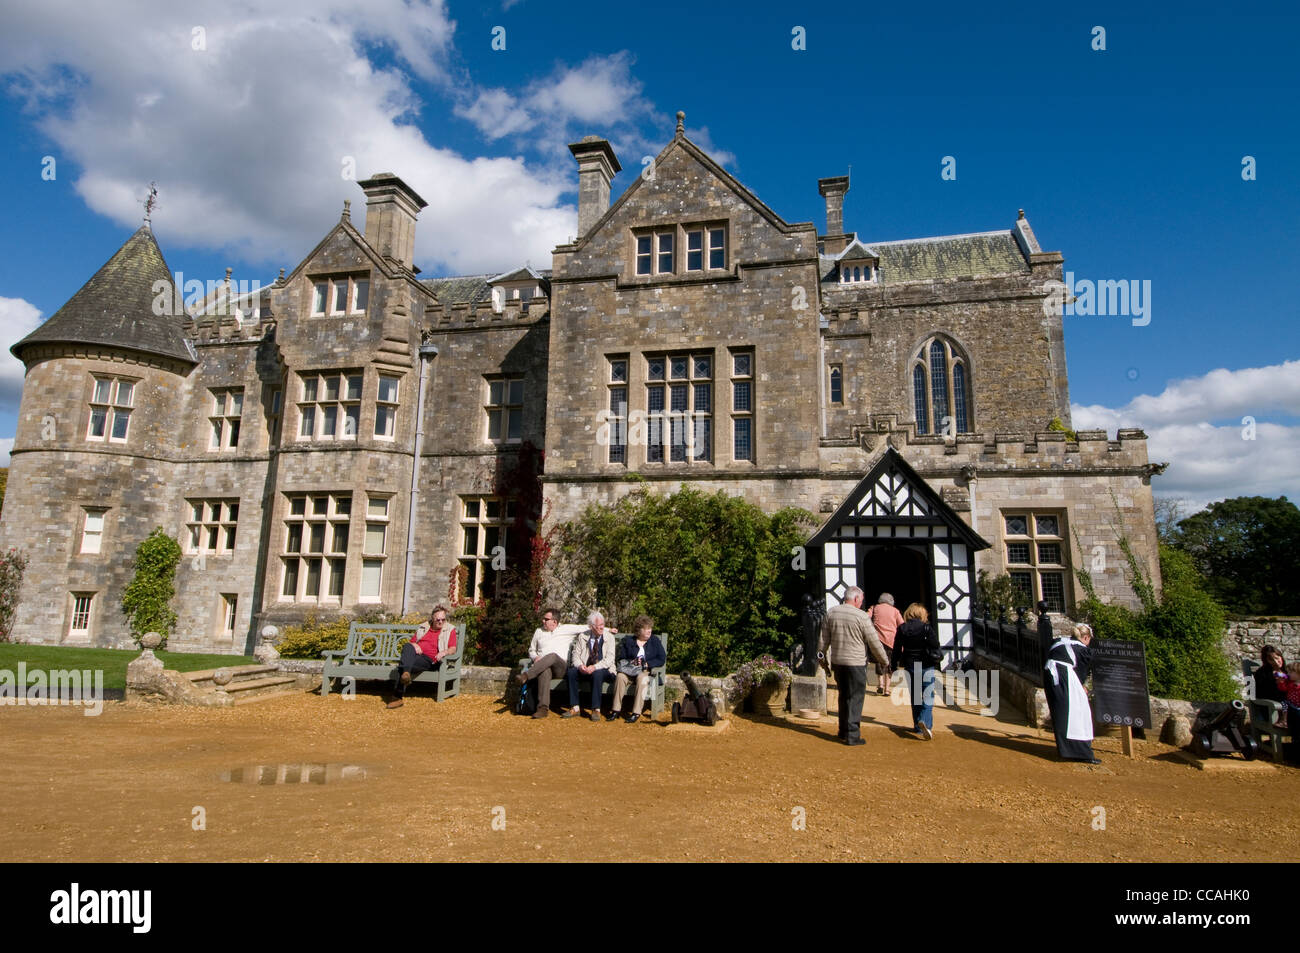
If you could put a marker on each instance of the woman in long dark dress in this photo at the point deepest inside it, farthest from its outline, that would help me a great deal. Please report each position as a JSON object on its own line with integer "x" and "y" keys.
{"x": 1067, "y": 666}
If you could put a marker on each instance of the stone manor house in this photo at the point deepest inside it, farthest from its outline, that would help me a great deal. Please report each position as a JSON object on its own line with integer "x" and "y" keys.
{"x": 338, "y": 440}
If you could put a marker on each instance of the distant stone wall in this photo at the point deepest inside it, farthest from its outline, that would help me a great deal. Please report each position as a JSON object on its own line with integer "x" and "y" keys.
{"x": 1243, "y": 639}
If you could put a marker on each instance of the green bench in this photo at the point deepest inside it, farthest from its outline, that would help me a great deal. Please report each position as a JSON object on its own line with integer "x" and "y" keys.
{"x": 372, "y": 654}
{"x": 1265, "y": 714}
{"x": 654, "y": 692}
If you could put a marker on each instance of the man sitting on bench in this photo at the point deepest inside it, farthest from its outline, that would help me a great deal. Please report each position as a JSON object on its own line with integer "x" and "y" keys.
{"x": 592, "y": 657}
{"x": 432, "y": 642}
{"x": 549, "y": 653}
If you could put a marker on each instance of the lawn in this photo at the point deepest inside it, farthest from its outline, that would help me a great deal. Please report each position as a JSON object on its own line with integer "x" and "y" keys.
{"x": 113, "y": 662}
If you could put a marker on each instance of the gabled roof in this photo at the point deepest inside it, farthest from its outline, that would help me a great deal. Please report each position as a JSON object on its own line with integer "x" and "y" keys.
{"x": 856, "y": 250}
{"x": 893, "y": 492}
{"x": 680, "y": 141}
{"x": 519, "y": 274}
{"x": 115, "y": 307}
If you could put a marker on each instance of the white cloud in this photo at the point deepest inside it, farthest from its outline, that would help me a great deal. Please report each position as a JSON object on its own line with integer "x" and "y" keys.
{"x": 600, "y": 94}
{"x": 1198, "y": 425}
{"x": 18, "y": 318}
{"x": 6, "y": 445}
{"x": 247, "y": 138}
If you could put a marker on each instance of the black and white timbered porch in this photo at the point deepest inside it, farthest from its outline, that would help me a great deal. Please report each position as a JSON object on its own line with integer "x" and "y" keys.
{"x": 895, "y": 534}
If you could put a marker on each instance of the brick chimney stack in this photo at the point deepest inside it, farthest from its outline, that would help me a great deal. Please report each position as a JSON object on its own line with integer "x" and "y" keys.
{"x": 597, "y": 166}
{"x": 833, "y": 190}
{"x": 391, "y": 209}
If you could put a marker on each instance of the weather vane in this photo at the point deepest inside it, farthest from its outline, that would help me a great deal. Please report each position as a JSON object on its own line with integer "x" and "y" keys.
{"x": 151, "y": 203}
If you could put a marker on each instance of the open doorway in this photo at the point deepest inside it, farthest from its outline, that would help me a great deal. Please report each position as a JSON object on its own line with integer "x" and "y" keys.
{"x": 900, "y": 570}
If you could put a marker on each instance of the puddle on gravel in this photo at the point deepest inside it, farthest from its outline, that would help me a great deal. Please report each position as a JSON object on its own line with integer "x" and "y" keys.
{"x": 294, "y": 773}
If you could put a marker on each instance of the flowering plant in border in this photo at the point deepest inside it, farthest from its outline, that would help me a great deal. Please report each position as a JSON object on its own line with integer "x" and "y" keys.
{"x": 765, "y": 668}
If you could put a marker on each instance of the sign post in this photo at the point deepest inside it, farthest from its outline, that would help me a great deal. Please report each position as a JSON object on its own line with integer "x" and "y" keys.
{"x": 1119, "y": 687}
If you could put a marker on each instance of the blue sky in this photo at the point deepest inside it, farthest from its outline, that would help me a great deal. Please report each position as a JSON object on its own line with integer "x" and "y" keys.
{"x": 1128, "y": 160}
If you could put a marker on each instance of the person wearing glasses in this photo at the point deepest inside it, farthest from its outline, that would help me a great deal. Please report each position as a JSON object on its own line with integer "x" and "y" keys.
{"x": 549, "y": 653}
{"x": 432, "y": 642}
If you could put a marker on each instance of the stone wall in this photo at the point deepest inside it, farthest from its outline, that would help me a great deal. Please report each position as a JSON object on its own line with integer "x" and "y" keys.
{"x": 1244, "y": 638}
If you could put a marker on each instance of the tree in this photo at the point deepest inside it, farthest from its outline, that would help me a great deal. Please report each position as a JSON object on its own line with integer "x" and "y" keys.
{"x": 1169, "y": 511}
{"x": 147, "y": 599}
{"x": 4, "y": 483}
{"x": 714, "y": 571}
{"x": 1248, "y": 550}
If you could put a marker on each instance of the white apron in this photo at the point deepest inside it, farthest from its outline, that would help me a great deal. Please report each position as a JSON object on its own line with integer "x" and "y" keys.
{"x": 1078, "y": 725}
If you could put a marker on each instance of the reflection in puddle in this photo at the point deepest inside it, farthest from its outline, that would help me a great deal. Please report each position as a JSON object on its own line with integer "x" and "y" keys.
{"x": 294, "y": 773}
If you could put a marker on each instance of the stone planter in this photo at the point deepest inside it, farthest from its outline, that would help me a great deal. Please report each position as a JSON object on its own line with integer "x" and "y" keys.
{"x": 769, "y": 699}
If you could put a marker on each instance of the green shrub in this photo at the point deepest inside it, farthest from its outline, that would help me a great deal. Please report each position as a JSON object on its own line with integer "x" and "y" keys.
{"x": 999, "y": 594}
{"x": 146, "y": 603}
{"x": 713, "y": 571}
{"x": 1180, "y": 633}
{"x": 12, "y": 566}
{"x": 314, "y": 636}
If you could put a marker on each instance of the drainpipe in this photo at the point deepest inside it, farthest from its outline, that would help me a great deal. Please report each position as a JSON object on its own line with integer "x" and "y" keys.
{"x": 427, "y": 353}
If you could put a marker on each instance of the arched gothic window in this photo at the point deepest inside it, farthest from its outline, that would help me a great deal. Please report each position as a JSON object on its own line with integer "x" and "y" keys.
{"x": 941, "y": 388}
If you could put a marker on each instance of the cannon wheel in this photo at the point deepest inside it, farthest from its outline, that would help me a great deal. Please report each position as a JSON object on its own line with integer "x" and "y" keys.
{"x": 677, "y": 712}
{"x": 1201, "y": 744}
{"x": 1250, "y": 749}
{"x": 713, "y": 717}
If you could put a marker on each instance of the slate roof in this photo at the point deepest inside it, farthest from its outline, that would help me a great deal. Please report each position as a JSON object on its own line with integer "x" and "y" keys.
{"x": 945, "y": 257}
{"x": 470, "y": 289}
{"x": 115, "y": 307}
{"x": 464, "y": 289}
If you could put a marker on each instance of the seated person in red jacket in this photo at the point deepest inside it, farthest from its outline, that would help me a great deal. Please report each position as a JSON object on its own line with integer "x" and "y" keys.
{"x": 433, "y": 641}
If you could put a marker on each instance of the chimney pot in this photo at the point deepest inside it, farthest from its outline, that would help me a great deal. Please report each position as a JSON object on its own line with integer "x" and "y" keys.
{"x": 833, "y": 190}
{"x": 391, "y": 210}
{"x": 597, "y": 166}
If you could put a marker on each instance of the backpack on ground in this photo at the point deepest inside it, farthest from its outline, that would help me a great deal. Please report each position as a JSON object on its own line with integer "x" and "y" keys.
{"x": 526, "y": 703}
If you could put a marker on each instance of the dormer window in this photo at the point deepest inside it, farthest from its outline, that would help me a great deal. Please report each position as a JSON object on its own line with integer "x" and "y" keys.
{"x": 856, "y": 271}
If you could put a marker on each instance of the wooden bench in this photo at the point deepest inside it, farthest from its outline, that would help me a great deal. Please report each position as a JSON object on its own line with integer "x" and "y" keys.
{"x": 373, "y": 651}
{"x": 654, "y": 692}
{"x": 1265, "y": 714}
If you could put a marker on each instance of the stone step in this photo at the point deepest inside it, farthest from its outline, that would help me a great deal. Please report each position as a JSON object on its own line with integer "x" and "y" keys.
{"x": 256, "y": 686}
{"x": 240, "y": 672}
{"x": 255, "y": 698}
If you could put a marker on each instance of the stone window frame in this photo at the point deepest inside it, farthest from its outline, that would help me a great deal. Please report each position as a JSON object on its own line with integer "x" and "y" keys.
{"x": 618, "y": 367}
{"x": 482, "y": 520}
{"x": 926, "y": 388}
{"x": 296, "y": 563}
{"x": 325, "y": 289}
{"x": 655, "y": 235}
{"x": 211, "y": 526}
{"x": 77, "y": 614}
{"x": 315, "y": 399}
{"x": 227, "y": 410}
{"x": 89, "y": 512}
{"x": 503, "y": 407}
{"x": 112, "y": 406}
{"x": 835, "y": 381}
{"x": 370, "y": 559}
{"x": 274, "y": 415}
{"x": 227, "y": 614}
{"x": 387, "y": 409}
{"x": 738, "y": 414}
{"x": 1035, "y": 568}
{"x": 660, "y": 443}
{"x": 706, "y": 231}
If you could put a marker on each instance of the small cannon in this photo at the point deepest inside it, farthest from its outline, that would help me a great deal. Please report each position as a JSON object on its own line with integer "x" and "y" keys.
{"x": 698, "y": 706}
{"x": 1223, "y": 734}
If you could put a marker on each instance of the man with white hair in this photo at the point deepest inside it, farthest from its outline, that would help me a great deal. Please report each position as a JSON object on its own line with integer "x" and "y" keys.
{"x": 849, "y": 634}
{"x": 592, "y": 656}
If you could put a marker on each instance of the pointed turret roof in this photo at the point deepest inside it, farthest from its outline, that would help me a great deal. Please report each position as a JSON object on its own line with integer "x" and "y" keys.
{"x": 115, "y": 308}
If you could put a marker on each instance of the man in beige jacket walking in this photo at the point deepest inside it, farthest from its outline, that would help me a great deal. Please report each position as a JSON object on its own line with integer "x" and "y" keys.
{"x": 849, "y": 634}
